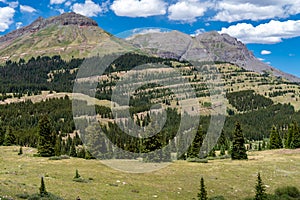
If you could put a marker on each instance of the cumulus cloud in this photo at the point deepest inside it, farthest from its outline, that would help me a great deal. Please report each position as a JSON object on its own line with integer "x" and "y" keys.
{"x": 268, "y": 33}
{"x": 187, "y": 10}
{"x": 24, "y": 8}
{"x": 88, "y": 8}
{"x": 6, "y": 17}
{"x": 57, "y": 1}
{"x": 237, "y": 10}
{"x": 139, "y": 8}
{"x": 230, "y": 12}
{"x": 265, "y": 52}
{"x": 12, "y": 4}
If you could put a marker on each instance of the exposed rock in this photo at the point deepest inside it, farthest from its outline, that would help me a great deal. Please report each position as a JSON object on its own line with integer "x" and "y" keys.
{"x": 209, "y": 46}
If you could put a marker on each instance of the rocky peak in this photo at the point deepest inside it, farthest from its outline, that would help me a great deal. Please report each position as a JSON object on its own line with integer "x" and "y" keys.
{"x": 72, "y": 18}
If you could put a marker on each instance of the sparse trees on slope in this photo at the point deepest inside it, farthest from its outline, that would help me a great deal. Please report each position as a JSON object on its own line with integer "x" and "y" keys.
{"x": 238, "y": 151}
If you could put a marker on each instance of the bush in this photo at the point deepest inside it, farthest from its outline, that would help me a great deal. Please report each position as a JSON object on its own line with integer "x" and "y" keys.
{"x": 288, "y": 191}
{"x": 55, "y": 158}
{"x": 23, "y": 196}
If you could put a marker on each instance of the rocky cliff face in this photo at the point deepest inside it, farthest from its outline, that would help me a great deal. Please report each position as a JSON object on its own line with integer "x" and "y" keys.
{"x": 209, "y": 46}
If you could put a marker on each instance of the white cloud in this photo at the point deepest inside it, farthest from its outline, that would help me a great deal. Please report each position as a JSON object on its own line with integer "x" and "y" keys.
{"x": 24, "y": 8}
{"x": 12, "y": 4}
{"x": 139, "y": 8}
{"x": 265, "y": 52}
{"x": 6, "y": 18}
{"x": 232, "y": 11}
{"x": 187, "y": 10}
{"x": 57, "y": 1}
{"x": 19, "y": 25}
{"x": 268, "y": 33}
{"x": 88, "y": 8}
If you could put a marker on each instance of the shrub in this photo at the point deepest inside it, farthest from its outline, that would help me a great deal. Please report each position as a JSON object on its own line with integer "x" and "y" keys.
{"x": 47, "y": 197}
{"x": 217, "y": 198}
{"x": 289, "y": 191}
{"x": 23, "y": 196}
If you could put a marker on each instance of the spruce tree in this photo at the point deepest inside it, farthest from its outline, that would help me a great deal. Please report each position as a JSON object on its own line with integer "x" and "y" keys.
{"x": 57, "y": 146}
{"x": 260, "y": 189}
{"x": 20, "y": 151}
{"x": 296, "y": 136}
{"x": 9, "y": 138}
{"x": 76, "y": 174}
{"x": 194, "y": 149}
{"x": 290, "y": 136}
{"x": 46, "y": 138}
{"x": 259, "y": 146}
{"x": 275, "y": 140}
{"x": 202, "y": 195}
{"x": 238, "y": 151}
{"x": 43, "y": 191}
{"x": 222, "y": 151}
{"x": 73, "y": 152}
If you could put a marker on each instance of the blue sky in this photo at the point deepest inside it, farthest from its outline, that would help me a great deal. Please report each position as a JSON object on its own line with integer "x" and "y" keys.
{"x": 270, "y": 28}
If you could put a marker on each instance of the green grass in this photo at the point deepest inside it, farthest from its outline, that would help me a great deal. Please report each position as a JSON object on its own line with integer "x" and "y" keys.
{"x": 180, "y": 180}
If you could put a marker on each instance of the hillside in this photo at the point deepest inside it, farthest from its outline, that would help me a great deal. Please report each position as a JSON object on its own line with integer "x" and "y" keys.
{"x": 69, "y": 35}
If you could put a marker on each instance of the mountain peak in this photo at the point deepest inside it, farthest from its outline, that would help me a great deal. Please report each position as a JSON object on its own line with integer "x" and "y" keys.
{"x": 72, "y": 18}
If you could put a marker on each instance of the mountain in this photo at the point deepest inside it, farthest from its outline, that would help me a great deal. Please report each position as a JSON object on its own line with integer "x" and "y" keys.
{"x": 69, "y": 35}
{"x": 73, "y": 35}
{"x": 209, "y": 46}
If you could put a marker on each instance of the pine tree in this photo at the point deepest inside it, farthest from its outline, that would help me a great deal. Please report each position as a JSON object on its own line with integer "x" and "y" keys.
{"x": 76, "y": 174}
{"x": 43, "y": 191}
{"x": 9, "y": 138}
{"x": 222, "y": 151}
{"x": 73, "y": 152}
{"x": 275, "y": 140}
{"x": 290, "y": 136}
{"x": 238, "y": 151}
{"x": 20, "y": 151}
{"x": 202, "y": 195}
{"x": 57, "y": 146}
{"x": 194, "y": 149}
{"x": 260, "y": 189}
{"x": 296, "y": 138}
{"x": 46, "y": 138}
{"x": 259, "y": 146}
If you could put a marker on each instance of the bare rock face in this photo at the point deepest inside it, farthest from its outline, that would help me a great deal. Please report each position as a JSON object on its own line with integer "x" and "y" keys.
{"x": 209, "y": 46}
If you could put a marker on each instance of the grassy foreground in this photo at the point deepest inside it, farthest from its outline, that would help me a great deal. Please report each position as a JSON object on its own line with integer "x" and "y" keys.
{"x": 180, "y": 180}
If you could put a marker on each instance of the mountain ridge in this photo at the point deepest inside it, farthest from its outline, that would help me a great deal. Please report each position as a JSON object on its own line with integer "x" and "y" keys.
{"x": 73, "y": 35}
{"x": 208, "y": 46}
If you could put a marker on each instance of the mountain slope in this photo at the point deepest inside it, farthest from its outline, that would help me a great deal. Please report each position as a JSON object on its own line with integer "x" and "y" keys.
{"x": 209, "y": 46}
{"x": 69, "y": 35}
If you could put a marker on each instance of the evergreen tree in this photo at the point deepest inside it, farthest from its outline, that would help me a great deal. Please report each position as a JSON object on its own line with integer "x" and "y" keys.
{"x": 260, "y": 189}
{"x": 20, "y": 151}
{"x": 2, "y": 135}
{"x": 222, "y": 151}
{"x": 238, "y": 151}
{"x": 194, "y": 149}
{"x": 202, "y": 195}
{"x": 212, "y": 153}
{"x": 73, "y": 152}
{"x": 9, "y": 138}
{"x": 46, "y": 146}
{"x": 57, "y": 146}
{"x": 275, "y": 140}
{"x": 259, "y": 146}
{"x": 77, "y": 174}
{"x": 296, "y": 136}
{"x": 43, "y": 191}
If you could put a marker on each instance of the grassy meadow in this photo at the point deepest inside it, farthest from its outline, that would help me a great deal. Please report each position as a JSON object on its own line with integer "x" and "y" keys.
{"x": 180, "y": 180}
